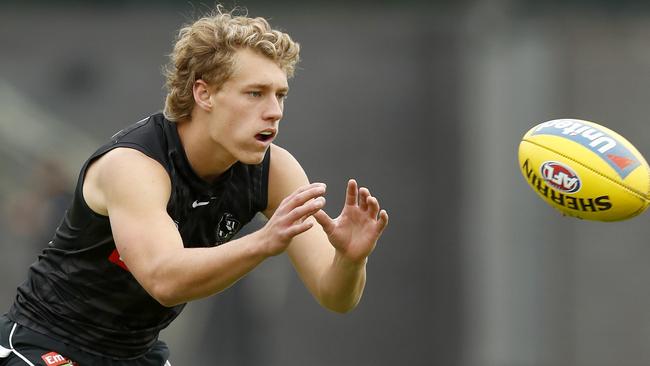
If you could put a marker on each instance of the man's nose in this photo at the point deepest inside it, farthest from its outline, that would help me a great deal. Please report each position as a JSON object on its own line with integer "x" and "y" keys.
{"x": 273, "y": 109}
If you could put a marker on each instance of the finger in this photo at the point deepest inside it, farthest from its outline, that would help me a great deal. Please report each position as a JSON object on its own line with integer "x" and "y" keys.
{"x": 301, "y": 212}
{"x": 351, "y": 193}
{"x": 373, "y": 207}
{"x": 324, "y": 220}
{"x": 364, "y": 194}
{"x": 300, "y": 228}
{"x": 304, "y": 190}
{"x": 304, "y": 197}
{"x": 308, "y": 186}
{"x": 383, "y": 220}
{"x": 301, "y": 196}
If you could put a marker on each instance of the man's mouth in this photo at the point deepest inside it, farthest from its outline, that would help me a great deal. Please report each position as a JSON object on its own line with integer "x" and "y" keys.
{"x": 265, "y": 136}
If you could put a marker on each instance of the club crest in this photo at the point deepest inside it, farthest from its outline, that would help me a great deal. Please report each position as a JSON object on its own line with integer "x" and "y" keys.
{"x": 227, "y": 228}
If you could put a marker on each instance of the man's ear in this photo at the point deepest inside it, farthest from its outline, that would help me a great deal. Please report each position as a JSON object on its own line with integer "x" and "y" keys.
{"x": 202, "y": 95}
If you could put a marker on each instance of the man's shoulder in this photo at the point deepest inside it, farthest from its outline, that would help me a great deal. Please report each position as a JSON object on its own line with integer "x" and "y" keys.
{"x": 145, "y": 128}
{"x": 122, "y": 172}
{"x": 146, "y": 138}
{"x": 129, "y": 162}
{"x": 282, "y": 158}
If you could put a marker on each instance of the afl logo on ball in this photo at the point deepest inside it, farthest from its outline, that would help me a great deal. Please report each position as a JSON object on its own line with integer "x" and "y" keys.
{"x": 560, "y": 177}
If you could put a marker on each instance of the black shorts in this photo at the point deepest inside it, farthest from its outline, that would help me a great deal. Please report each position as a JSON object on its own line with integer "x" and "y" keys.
{"x": 21, "y": 346}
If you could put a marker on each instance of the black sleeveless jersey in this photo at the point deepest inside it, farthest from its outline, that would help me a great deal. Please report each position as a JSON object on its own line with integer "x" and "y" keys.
{"x": 79, "y": 290}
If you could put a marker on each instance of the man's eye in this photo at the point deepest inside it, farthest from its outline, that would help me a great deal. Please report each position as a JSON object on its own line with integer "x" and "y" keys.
{"x": 255, "y": 94}
{"x": 282, "y": 96}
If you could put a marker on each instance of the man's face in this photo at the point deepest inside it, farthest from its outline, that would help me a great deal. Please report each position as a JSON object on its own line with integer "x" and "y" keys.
{"x": 248, "y": 107}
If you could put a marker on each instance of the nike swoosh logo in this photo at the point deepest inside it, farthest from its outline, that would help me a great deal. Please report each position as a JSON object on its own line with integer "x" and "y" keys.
{"x": 198, "y": 203}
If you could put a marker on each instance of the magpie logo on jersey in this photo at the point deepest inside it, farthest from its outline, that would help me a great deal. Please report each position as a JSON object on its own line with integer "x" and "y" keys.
{"x": 227, "y": 228}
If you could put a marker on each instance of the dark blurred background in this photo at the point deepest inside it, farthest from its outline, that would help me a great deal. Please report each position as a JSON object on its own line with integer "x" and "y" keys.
{"x": 424, "y": 102}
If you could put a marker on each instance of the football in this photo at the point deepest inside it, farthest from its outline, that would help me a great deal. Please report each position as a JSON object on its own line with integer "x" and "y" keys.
{"x": 585, "y": 170}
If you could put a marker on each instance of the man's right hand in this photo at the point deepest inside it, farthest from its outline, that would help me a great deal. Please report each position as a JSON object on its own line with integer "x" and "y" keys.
{"x": 292, "y": 217}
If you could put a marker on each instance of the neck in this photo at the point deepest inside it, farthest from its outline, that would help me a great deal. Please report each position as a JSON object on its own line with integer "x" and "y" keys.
{"x": 208, "y": 159}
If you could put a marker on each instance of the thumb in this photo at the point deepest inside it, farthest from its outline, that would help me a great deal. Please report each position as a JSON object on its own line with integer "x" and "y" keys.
{"x": 325, "y": 221}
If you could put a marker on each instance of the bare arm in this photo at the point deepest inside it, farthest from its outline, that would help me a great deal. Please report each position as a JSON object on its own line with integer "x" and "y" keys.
{"x": 330, "y": 257}
{"x": 133, "y": 190}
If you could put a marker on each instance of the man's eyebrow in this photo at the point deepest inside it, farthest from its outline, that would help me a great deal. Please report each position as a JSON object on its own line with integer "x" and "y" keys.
{"x": 266, "y": 86}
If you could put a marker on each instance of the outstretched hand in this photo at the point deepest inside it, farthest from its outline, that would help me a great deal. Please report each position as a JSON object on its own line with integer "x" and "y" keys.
{"x": 290, "y": 218}
{"x": 354, "y": 233}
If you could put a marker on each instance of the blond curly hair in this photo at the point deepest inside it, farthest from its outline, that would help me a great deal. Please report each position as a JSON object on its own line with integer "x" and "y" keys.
{"x": 206, "y": 50}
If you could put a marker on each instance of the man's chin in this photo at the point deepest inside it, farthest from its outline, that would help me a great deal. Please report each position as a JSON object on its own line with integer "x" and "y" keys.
{"x": 254, "y": 158}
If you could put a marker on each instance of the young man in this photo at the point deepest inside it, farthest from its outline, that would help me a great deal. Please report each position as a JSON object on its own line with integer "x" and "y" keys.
{"x": 154, "y": 211}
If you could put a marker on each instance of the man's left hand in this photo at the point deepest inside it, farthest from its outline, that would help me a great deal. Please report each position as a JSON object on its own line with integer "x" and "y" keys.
{"x": 354, "y": 233}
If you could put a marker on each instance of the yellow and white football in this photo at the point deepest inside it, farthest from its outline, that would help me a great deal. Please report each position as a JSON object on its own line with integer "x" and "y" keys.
{"x": 585, "y": 170}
